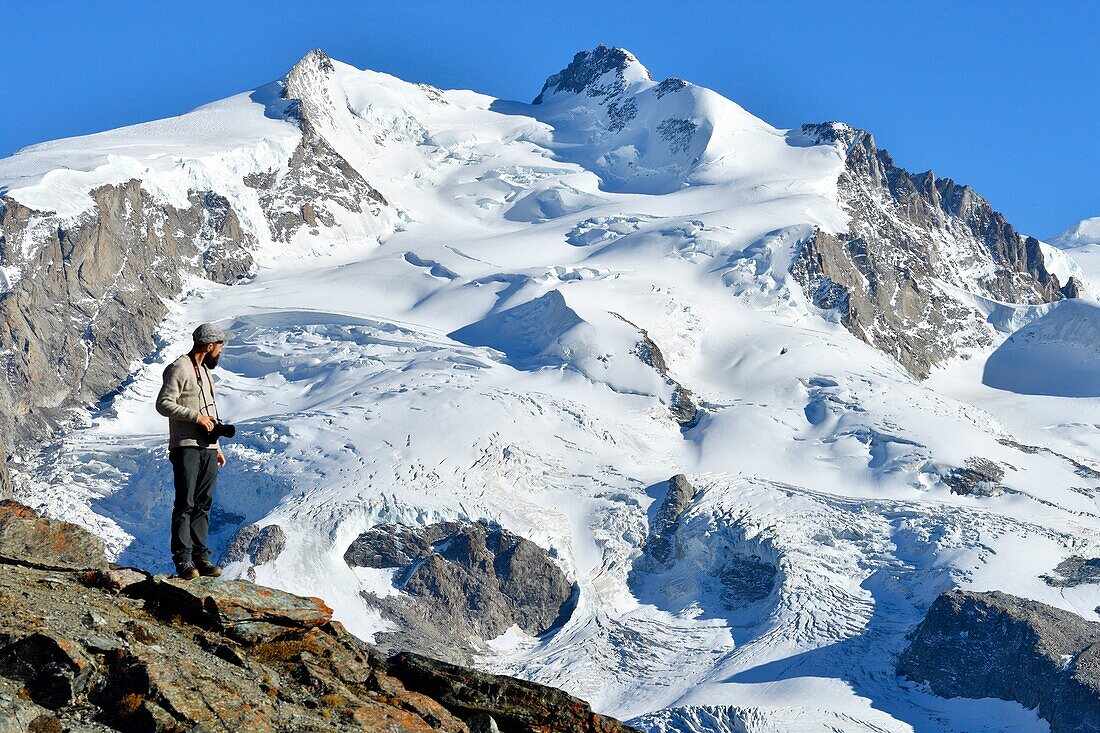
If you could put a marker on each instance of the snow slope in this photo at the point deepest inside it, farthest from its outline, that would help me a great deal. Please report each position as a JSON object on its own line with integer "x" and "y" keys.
{"x": 478, "y": 362}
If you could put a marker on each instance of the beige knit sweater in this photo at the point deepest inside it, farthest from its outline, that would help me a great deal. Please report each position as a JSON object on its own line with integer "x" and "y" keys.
{"x": 182, "y": 399}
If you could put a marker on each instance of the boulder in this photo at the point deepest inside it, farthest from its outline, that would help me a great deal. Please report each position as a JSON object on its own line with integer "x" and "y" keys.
{"x": 257, "y": 545}
{"x": 26, "y": 537}
{"x": 244, "y": 611}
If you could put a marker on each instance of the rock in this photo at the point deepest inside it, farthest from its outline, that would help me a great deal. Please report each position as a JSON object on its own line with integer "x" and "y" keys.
{"x": 586, "y": 72}
{"x": 980, "y": 645}
{"x": 516, "y": 705}
{"x": 257, "y": 545}
{"x": 54, "y": 669}
{"x": 179, "y": 662}
{"x": 1072, "y": 288}
{"x": 482, "y": 723}
{"x": 683, "y": 408}
{"x": 93, "y": 620}
{"x": 237, "y": 549}
{"x": 26, "y": 537}
{"x": 461, "y": 581}
{"x": 1074, "y": 571}
{"x": 662, "y": 530}
{"x": 980, "y": 476}
{"x": 113, "y": 579}
{"x": 244, "y": 611}
{"x": 746, "y": 580}
{"x": 907, "y": 233}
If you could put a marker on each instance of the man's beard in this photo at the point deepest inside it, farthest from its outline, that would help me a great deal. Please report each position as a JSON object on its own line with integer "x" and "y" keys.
{"x": 210, "y": 361}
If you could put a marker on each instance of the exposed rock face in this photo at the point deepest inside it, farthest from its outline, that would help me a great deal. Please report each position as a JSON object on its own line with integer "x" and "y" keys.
{"x": 92, "y": 291}
{"x": 5, "y": 479}
{"x": 683, "y": 407}
{"x": 995, "y": 645}
{"x": 586, "y": 74}
{"x": 662, "y": 534}
{"x": 979, "y": 476}
{"x": 171, "y": 656}
{"x": 1074, "y": 571}
{"x": 514, "y": 704}
{"x": 462, "y": 583}
{"x": 907, "y": 231}
{"x": 257, "y": 545}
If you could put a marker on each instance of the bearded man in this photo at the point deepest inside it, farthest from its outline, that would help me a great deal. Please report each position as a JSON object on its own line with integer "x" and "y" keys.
{"x": 187, "y": 399}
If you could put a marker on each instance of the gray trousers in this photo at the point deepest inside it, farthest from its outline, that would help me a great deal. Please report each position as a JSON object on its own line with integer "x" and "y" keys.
{"x": 195, "y": 471}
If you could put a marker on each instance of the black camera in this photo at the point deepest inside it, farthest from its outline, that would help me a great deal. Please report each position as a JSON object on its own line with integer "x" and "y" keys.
{"x": 222, "y": 430}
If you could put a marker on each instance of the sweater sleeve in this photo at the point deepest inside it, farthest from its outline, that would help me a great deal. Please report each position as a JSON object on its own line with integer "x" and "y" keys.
{"x": 168, "y": 403}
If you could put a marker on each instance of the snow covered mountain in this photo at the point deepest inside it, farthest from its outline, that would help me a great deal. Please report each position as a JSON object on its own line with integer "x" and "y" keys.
{"x": 476, "y": 338}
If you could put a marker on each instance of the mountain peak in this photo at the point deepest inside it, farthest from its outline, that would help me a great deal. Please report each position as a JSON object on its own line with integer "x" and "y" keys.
{"x": 315, "y": 60}
{"x": 1081, "y": 234}
{"x": 601, "y": 72}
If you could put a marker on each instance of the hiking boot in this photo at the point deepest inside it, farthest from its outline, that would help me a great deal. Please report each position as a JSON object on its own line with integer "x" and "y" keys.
{"x": 187, "y": 573}
{"x": 210, "y": 571}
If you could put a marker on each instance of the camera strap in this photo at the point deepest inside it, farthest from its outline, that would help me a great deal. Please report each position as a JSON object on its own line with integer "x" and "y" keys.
{"x": 206, "y": 405}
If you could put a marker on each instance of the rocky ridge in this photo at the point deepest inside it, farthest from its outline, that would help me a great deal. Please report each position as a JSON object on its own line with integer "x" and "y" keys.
{"x": 907, "y": 233}
{"x": 102, "y": 648}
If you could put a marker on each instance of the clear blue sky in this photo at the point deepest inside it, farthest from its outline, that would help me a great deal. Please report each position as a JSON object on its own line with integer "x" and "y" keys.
{"x": 1003, "y": 96}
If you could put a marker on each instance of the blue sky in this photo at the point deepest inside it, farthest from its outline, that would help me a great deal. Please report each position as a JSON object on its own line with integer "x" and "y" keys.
{"x": 1003, "y": 96}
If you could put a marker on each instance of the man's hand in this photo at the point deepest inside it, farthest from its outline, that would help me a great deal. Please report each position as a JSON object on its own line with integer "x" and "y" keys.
{"x": 221, "y": 458}
{"x": 206, "y": 421}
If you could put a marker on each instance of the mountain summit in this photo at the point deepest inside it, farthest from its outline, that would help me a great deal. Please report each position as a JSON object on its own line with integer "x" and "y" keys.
{"x": 601, "y": 72}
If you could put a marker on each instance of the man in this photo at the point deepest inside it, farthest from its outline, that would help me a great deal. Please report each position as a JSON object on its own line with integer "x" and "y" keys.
{"x": 187, "y": 399}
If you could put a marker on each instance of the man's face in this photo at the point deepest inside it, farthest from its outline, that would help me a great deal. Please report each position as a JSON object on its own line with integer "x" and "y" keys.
{"x": 213, "y": 354}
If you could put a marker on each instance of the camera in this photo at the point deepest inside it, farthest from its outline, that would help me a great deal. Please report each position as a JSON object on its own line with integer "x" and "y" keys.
{"x": 222, "y": 430}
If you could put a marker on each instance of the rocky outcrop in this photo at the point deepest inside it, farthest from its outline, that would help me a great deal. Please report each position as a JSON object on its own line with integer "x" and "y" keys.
{"x": 907, "y": 233}
{"x": 1073, "y": 571}
{"x": 256, "y": 545}
{"x": 993, "y": 644}
{"x": 978, "y": 476}
{"x": 515, "y": 705}
{"x": 461, "y": 582}
{"x": 115, "y": 649}
{"x": 27, "y": 538}
{"x": 662, "y": 529}
{"x": 683, "y": 406}
{"x": 91, "y": 292}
